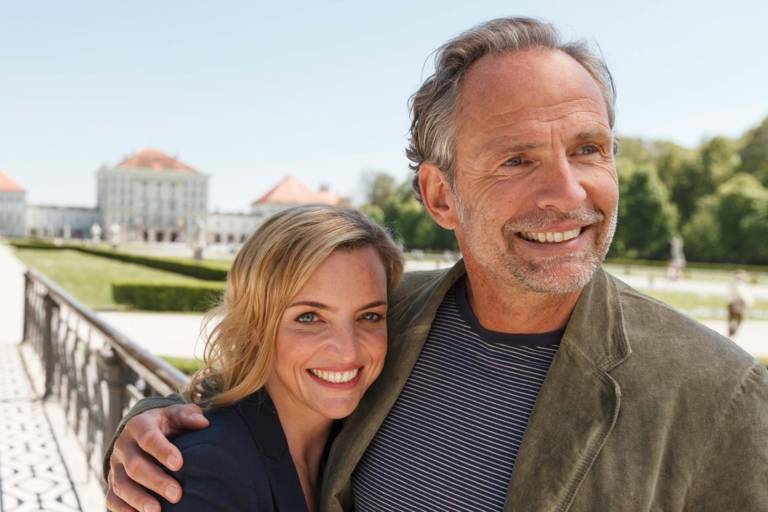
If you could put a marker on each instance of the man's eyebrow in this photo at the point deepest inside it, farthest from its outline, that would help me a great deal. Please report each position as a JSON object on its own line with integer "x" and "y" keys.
{"x": 593, "y": 134}
{"x": 508, "y": 144}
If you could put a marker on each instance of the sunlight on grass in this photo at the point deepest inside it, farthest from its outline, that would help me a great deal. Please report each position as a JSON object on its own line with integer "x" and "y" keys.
{"x": 89, "y": 278}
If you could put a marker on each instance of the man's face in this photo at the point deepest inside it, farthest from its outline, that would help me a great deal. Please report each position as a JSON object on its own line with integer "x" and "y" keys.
{"x": 535, "y": 186}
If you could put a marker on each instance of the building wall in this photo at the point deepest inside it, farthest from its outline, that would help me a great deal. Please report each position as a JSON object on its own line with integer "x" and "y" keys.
{"x": 152, "y": 205}
{"x": 12, "y": 217}
{"x": 60, "y": 221}
{"x": 231, "y": 228}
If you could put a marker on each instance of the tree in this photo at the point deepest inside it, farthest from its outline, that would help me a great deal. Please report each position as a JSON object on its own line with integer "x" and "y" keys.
{"x": 379, "y": 187}
{"x": 647, "y": 218}
{"x": 732, "y": 224}
{"x": 719, "y": 159}
{"x": 754, "y": 153}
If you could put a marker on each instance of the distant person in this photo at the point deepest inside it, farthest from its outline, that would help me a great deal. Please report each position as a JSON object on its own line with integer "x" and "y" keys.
{"x": 525, "y": 378}
{"x": 740, "y": 299}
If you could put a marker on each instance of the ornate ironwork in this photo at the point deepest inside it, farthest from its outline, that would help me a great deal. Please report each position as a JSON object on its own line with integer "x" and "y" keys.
{"x": 96, "y": 372}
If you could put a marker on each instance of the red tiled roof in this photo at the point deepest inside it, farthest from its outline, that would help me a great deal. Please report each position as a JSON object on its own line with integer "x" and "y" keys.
{"x": 155, "y": 160}
{"x": 292, "y": 191}
{"x": 8, "y": 185}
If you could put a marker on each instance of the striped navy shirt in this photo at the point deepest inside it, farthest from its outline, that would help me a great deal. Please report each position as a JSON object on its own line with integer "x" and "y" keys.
{"x": 451, "y": 439}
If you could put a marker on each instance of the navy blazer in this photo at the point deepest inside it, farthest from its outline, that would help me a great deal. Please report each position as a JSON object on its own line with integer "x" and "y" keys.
{"x": 240, "y": 463}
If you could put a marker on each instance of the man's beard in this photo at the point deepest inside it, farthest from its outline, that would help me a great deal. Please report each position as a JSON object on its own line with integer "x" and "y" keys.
{"x": 556, "y": 275}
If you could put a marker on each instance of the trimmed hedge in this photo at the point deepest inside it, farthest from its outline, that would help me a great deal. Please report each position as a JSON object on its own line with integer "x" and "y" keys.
{"x": 153, "y": 296}
{"x": 206, "y": 271}
{"x": 31, "y": 243}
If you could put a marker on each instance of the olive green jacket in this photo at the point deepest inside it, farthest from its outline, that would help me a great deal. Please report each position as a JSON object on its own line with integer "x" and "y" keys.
{"x": 643, "y": 409}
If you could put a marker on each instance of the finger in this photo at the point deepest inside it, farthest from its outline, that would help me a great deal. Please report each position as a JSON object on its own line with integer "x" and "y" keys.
{"x": 131, "y": 493}
{"x": 156, "y": 445}
{"x": 185, "y": 417}
{"x": 147, "y": 473}
{"x": 115, "y": 504}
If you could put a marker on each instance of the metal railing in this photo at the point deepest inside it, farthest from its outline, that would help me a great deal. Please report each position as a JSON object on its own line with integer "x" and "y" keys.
{"x": 96, "y": 372}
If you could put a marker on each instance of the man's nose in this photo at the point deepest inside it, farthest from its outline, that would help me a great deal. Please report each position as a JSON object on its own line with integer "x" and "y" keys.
{"x": 559, "y": 186}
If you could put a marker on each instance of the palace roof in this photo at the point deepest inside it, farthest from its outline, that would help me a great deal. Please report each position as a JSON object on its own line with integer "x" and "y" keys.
{"x": 155, "y": 160}
{"x": 292, "y": 191}
{"x": 8, "y": 185}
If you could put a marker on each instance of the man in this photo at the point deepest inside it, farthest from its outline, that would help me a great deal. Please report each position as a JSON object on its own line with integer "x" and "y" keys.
{"x": 524, "y": 378}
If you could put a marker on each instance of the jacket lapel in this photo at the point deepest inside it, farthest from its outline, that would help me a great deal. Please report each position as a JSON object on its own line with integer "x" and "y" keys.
{"x": 577, "y": 406}
{"x": 409, "y": 326}
{"x": 260, "y": 415}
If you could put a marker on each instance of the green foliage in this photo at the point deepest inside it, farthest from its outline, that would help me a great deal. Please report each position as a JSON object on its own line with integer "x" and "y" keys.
{"x": 719, "y": 159}
{"x": 647, "y": 219}
{"x": 199, "y": 270}
{"x": 396, "y": 207}
{"x": 732, "y": 224}
{"x": 89, "y": 278}
{"x": 186, "y": 365}
{"x": 154, "y": 296}
{"x": 754, "y": 154}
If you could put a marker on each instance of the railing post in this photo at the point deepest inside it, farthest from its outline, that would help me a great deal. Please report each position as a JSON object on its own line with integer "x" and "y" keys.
{"x": 49, "y": 360}
{"x": 116, "y": 375}
{"x": 27, "y": 307}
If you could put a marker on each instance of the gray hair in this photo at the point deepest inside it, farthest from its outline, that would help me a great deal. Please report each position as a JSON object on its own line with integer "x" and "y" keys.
{"x": 435, "y": 103}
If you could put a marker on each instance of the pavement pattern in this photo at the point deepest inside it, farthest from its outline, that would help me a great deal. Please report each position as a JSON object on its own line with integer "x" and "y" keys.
{"x": 41, "y": 464}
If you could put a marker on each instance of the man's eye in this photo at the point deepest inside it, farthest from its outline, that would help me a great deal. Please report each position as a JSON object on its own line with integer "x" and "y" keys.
{"x": 306, "y": 318}
{"x": 589, "y": 149}
{"x": 372, "y": 317}
{"x": 514, "y": 161}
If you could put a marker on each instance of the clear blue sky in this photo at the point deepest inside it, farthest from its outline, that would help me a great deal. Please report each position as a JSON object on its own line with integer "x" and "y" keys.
{"x": 249, "y": 91}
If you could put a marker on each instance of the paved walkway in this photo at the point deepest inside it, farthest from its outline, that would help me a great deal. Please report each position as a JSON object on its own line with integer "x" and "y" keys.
{"x": 41, "y": 464}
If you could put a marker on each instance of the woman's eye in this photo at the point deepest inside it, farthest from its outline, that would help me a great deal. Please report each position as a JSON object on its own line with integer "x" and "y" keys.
{"x": 372, "y": 317}
{"x": 306, "y": 318}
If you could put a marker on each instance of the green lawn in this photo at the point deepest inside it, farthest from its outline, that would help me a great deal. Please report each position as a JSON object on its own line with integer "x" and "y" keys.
{"x": 692, "y": 301}
{"x": 89, "y": 278}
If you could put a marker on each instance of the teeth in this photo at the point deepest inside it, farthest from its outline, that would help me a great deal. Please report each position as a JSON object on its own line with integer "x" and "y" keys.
{"x": 335, "y": 377}
{"x": 551, "y": 236}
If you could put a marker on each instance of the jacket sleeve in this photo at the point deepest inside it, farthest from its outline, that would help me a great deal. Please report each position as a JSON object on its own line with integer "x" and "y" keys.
{"x": 733, "y": 473}
{"x": 142, "y": 405}
{"x": 213, "y": 479}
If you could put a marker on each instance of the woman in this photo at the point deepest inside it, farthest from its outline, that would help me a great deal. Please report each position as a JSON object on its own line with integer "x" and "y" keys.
{"x": 302, "y": 335}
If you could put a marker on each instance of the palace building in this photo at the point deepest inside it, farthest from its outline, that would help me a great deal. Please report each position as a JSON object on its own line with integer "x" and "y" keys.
{"x": 150, "y": 197}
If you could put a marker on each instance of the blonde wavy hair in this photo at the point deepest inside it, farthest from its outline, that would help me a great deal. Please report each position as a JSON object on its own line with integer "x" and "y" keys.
{"x": 270, "y": 269}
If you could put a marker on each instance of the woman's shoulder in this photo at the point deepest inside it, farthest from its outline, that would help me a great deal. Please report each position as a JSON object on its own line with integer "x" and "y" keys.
{"x": 226, "y": 427}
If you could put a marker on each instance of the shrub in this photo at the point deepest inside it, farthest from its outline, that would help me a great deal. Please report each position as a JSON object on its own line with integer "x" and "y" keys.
{"x": 201, "y": 270}
{"x": 153, "y": 296}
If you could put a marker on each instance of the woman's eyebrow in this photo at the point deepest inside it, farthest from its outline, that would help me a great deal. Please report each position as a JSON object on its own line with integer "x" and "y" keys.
{"x": 320, "y": 305}
{"x": 312, "y": 304}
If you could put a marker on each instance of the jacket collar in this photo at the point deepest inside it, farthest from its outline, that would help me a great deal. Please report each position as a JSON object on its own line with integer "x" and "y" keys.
{"x": 260, "y": 415}
{"x": 573, "y": 416}
{"x": 578, "y": 404}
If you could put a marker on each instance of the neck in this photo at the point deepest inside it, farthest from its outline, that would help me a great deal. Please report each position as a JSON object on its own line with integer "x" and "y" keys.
{"x": 307, "y": 435}
{"x": 516, "y": 309}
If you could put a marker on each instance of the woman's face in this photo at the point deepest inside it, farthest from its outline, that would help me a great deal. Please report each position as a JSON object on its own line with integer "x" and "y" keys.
{"x": 332, "y": 339}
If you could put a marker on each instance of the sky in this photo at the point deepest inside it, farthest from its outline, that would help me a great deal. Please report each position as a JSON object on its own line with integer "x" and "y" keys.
{"x": 251, "y": 91}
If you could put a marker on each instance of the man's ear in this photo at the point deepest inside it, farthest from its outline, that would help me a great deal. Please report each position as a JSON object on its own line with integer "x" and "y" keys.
{"x": 437, "y": 196}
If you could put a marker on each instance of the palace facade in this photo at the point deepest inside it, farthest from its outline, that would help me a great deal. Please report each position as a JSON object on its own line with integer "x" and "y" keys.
{"x": 149, "y": 197}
